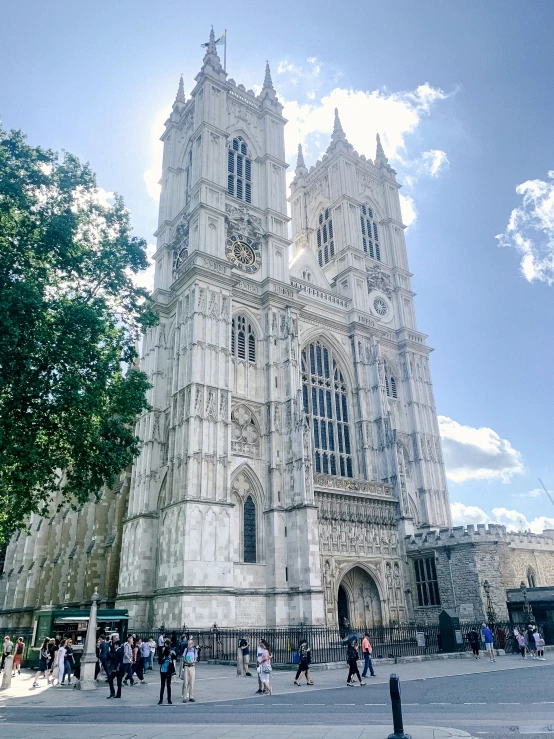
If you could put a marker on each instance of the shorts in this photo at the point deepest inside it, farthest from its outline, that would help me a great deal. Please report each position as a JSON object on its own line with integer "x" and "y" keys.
{"x": 489, "y": 646}
{"x": 42, "y": 666}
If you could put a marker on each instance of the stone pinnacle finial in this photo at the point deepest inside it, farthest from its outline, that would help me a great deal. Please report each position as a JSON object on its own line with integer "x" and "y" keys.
{"x": 211, "y": 44}
{"x": 338, "y": 135}
{"x": 337, "y": 128}
{"x": 380, "y": 158}
{"x": 268, "y": 82}
{"x": 300, "y": 164}
{"x": 181, "y": 91}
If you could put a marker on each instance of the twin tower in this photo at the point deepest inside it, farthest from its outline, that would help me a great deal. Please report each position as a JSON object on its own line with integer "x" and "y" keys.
{"x": 293, "y": 439}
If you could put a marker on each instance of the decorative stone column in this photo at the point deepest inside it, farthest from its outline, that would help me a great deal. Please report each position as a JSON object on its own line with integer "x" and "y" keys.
{"x": 88, "y": 660}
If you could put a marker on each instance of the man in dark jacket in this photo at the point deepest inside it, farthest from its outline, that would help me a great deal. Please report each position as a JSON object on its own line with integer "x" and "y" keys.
{"x": 116, "y": 668}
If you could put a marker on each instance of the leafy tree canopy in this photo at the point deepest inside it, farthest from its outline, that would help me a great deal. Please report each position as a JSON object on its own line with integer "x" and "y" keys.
{"x": 71, "y": 314}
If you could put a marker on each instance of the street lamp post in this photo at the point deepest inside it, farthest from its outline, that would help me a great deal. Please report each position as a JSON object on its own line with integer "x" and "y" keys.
{"x": 527, "y": 609}
{"x": 491, "y": 614}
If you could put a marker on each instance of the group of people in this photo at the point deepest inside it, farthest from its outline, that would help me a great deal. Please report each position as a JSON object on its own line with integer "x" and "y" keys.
{"x": 18, "y": 652}
{"x": 531, "y": 642}
{"x": 263, "y": 663}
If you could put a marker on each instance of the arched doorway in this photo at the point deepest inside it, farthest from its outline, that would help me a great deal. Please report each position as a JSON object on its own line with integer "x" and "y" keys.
{"x": 358, "y": 599}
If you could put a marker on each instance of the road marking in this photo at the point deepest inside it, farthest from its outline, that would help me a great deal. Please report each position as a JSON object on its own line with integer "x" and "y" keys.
{"x": 475, "y": 704}
{"x": 375, "y": 704}
{"x": 411, "y": 704}
{"x": 541, "y": 703}
{"x": 443, "y": 704}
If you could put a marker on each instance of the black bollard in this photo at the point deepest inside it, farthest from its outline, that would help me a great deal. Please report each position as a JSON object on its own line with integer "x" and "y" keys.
{"x": 394, "y": 685}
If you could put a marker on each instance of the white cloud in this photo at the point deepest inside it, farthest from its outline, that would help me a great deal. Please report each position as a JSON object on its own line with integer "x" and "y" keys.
{"x": 408, "y": 209}
{"x": 153, "y": 174}
{"x": 462, "y": 515}
{"x": 530, "y": 229}
{"x": 535, "y": 493}
{"x": 477, "y": 453}
{"x": 434, "y": 160}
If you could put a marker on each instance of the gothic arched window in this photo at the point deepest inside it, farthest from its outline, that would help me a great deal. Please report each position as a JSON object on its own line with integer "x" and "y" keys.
{"x": 325, "y": 238}
{"x": 370, "y": 233}
{"x": 249, "y": 530}
{"x": 243, "y": 339}
{"x": 531, "y": 578}
{"x": 239, "y": 170}
{"x": 390, "y": 384}
{"x": 325, "y": 401}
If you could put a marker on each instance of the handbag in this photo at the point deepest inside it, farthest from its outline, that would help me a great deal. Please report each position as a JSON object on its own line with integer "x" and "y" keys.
{"x": 296, "y": 658}
{"x": 266, "y": 668}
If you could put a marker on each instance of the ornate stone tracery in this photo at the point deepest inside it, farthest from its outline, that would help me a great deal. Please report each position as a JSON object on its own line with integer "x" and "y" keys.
{"x": 245, "y": 436}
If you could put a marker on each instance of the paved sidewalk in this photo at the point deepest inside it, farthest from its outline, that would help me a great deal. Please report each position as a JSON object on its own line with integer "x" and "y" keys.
{"x": 178, "y": 731}
{"x": 216, "y": 683}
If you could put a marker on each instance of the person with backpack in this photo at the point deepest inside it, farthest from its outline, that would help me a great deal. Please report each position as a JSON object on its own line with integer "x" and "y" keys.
{"x": 7, "y": 650}
{"x": 167, "y": 670}
{"x": 473, "y": 639}
{"x": 18, "y": 656}
{"x": 352, "y": 659}
{"x": 116, "y": 670}
{"x": 367, "y": 651}
{"x": 304, "y": 659}
{"x": 264, "y": 668}
{"x": 190, "y": 658}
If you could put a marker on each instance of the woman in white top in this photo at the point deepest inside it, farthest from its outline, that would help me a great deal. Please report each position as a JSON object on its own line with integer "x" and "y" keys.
{"x": 265, "y": 667}
{"x": 61, "y": 661}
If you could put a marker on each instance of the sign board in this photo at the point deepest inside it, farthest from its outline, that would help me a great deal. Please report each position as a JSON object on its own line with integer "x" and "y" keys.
{"x": 420, "y": 636}
{"x": 465, "y": 612}
{"x": 459, "y": 637}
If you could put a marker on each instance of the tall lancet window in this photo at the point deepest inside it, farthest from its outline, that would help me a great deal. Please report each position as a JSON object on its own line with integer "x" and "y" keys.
{"x": 243, "y": 339}
{"x": 370, "y": 234}
{"x": 249, "y": 530}
{"x": 326, "y": 402}
{"x": 188, "y": 175}
{"x": 239, "y": 170}
{"x": 325, "y": 237}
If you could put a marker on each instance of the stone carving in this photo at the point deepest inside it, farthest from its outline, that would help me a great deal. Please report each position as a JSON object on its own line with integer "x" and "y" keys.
{"x": 239, "y": 220}
{"x": 245, "y": 437}
{"x": 211, "y": 404}
{"x": 180, "y": 245}
{"x": 349, "y": 485}
{"x": 378, "y": 280}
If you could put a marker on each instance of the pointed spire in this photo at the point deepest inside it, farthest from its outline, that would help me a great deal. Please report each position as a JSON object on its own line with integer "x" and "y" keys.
{"x": 337, "y": 128}
{"x": 268, "y": 82}
{"x": 338, "y": 137}
{"x": 380, "y": 158}
{"x": 181, "y": 92}
{"x": 300, "y": 164}
{"x": 211, "y": 43}
{"x": 211, "y": 57}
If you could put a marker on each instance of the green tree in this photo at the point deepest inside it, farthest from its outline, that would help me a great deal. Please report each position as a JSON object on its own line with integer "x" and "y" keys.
{"x": 71, "y": 314}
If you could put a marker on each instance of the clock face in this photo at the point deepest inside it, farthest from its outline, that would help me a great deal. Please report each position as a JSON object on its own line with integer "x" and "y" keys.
{"x": 243, "y": 253}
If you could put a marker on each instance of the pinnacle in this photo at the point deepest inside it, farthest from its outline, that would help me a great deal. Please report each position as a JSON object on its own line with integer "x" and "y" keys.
{"x": 300, "y": 164}
{"x": 180, "y": 92}
{"x": 338, "y": 135}
{"x": 337, "y": 128}
{"x": 268, "y": 82}
{"x": 380, "y": 158}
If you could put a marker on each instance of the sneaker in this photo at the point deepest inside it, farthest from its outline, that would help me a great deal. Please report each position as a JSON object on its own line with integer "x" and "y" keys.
{"x": 361, "y": 684}
{"x": 35, "y": 685}
{"x": 259, "y": 690}
{"x": 248, "y": 674}
{"x": 169, "y": 703}
{"x": 192, "y": 700}
{"x": 143, "y": 682}
{"x": 494, "y": 660}
{"x": 110, "y": 696}
{"x": 185, "y": 700}
{"x": 350, "y": 685}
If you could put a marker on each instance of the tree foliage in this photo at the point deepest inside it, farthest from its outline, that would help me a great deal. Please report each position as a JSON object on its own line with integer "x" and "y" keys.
{"x": 71, "y": 314}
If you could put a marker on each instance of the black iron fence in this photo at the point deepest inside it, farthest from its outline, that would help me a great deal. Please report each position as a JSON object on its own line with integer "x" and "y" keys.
{"x": 328, "y": 644}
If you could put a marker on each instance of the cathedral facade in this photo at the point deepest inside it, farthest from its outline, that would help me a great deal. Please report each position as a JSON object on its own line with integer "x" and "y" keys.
{"x": 292, "y": 448}
{"x": 293, "y": 439}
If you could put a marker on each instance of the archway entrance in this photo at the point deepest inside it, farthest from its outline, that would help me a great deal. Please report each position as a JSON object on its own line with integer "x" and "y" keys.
{"x": 358, "y": 599}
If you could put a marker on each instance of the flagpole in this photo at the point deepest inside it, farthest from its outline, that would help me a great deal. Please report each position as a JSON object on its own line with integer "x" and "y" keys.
{"x": 225, "y": 52}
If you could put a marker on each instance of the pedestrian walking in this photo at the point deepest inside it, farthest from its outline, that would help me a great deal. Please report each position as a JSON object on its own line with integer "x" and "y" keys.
{"x": 265, "y": 667}
{"x": 139, "y": 661}
{"x": 367, "y": 651}
{"x": 18, "y": 656}
{"x": 539, "y": 644}
{"x": 244, "y": 648}
{"x": 152, "y": 645}
{"x": 304, "y": 659}
{"x": 352, "y": 659}
{"x": 180, "y": 651}
{"x": 6, "y": 651}
{"x": 489, "y": 641}
{"x": 259, "y": 653}
{"x": 530, "y": 639}
{"x": 116, "y": 672}
{"x": 473, "y": 639}
{"x": 161, "y": 644}
{"x": 53, "y": 660}
{"x": 43, "y": 660}
{"x": 103, "y": 651}
{"x": 68, "y": 662}
{"x": 167, "y": 670}
{"x": 190, "y": 658}
{"x": 145, "y": 652}
{"x": 520, "y": 642}
{"x": 128, "y": 659}
{"x": 60, "y": 656}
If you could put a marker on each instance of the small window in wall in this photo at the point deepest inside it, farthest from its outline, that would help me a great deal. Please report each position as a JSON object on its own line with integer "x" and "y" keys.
{"x": 370, "y": 234}
{"x": 249, "y": 530}
{"x": 426, "y": 582}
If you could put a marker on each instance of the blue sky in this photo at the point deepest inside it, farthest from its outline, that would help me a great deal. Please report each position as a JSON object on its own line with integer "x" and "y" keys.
{"x": 461, "y": 95}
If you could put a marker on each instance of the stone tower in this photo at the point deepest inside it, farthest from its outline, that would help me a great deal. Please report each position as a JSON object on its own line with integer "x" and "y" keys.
{"x": 222, "y": 525}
